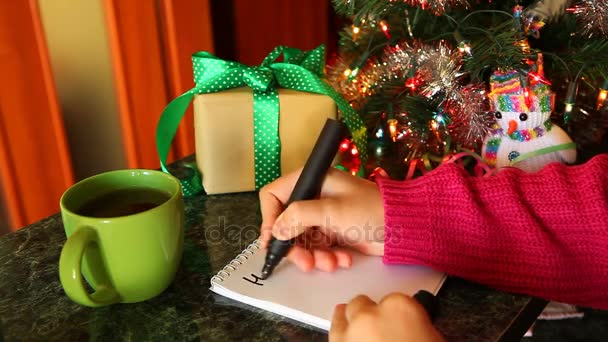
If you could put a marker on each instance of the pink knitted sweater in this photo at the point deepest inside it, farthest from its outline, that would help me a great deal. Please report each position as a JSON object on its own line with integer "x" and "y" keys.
{"x": 543, "y": 234}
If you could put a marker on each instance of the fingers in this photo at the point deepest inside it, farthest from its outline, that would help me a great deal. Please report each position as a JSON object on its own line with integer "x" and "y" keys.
{"x": 339, "y": 324}
{"x": 281, "y": 187}
{"x": 325, "y": 260}
{"x": 271, "y": 207}
{"x": 265, "y": 235}
{"x": 343, "y": 257}
{"x": 328, "y": 260}
{"x": 302, "y": 258}
{"x": 399, "y": 302}
{"x": 394, "y": 302}
{"x": 357, "y": 305}
{"x": 302, "y": 215}
{"x": 272, "y": 199}
{"x": 322, "y": 259}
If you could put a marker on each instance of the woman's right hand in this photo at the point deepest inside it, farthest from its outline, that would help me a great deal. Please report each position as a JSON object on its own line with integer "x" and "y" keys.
{"x": 348, "y": 213}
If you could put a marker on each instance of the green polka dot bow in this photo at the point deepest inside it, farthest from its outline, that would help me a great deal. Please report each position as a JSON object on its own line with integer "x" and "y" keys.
{"x": 299, "y": 70}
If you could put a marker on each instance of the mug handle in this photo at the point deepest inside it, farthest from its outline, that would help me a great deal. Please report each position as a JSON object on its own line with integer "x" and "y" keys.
{"x": 70, "y": 273}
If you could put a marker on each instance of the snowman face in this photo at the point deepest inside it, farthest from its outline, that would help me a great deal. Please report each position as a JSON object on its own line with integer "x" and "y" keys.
{"x": 515, "y": 121}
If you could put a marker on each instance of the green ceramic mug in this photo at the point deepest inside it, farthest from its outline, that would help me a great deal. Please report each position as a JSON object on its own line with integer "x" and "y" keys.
{"x": 125, "y": 234}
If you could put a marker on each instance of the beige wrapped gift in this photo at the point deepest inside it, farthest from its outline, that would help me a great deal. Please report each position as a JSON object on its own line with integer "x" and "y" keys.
{"x": 223, "y": 124}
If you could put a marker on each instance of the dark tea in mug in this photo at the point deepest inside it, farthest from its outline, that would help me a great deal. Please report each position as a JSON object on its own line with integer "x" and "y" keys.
{"x": 123, "y": 202}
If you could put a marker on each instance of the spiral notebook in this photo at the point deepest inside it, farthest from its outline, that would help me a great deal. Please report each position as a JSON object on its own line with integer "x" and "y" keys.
{"x": 310, "y": 297}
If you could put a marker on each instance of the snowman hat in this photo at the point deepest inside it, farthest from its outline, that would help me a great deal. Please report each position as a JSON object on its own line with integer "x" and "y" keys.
{"x": 508, "y": 95}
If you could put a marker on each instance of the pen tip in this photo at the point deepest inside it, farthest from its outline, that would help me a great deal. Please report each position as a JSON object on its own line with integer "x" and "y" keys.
{"x": 266, "y": 271}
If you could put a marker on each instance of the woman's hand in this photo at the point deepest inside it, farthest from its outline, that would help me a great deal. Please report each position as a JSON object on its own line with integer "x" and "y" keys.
{"x": 396, "y": 318}
{"x": 349, "y": 213}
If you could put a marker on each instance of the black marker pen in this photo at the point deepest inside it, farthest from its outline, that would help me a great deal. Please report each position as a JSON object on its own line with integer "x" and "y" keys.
{"x": 308, "y": 185}
{"x": 428, "y": 301}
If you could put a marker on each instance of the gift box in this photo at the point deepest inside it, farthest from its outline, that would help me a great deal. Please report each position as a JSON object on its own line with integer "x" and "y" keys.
{"x": 254, "y": 123}
{"x": 223, "y": 124}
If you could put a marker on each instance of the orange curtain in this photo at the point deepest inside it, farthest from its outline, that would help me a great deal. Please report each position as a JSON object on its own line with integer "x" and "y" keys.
{"x": 35, "y": 166}
{"x": 151, "y": 44}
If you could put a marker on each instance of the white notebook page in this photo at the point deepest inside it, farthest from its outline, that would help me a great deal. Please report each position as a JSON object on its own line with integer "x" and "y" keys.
{"x": 310, "y": 297}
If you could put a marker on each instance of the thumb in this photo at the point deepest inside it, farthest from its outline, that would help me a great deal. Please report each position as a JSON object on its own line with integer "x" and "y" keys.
{"x": 301, "y": 216}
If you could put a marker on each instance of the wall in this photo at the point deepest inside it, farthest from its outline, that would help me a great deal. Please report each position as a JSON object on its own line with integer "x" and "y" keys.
{"x": 80, "y": 59}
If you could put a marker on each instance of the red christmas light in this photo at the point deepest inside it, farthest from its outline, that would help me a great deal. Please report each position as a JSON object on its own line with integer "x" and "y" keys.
{"x": 527, "y": 97}
{"x": 536, "y": 77}
{"x": 412, "y": 83}
{"x": 384, "y": 28}
{"x": 344, "y": 145}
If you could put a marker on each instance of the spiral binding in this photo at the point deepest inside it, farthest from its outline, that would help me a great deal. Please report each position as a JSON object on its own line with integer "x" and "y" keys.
{"x": 237, "y": 261}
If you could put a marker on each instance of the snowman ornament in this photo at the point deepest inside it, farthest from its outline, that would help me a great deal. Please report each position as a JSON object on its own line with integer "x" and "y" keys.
{"x": 524, "y": 136}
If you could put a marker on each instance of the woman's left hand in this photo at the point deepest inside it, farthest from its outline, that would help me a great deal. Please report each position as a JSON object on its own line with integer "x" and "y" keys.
{"x": 397, "y": 317}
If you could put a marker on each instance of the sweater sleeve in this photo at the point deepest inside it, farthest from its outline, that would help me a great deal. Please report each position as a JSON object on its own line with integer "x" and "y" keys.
{"x": 543, "y": 234}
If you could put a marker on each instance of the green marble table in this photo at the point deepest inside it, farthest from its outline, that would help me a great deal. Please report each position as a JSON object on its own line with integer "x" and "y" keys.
{"x": 33, "y": 306}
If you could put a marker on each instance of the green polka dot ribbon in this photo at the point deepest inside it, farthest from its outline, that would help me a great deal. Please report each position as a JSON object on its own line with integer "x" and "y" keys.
{"x": 302, "y": 71}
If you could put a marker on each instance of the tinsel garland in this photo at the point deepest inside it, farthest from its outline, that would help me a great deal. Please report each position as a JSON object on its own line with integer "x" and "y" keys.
{"x": 592, "y": 16}
{"x": 420, "y": 69}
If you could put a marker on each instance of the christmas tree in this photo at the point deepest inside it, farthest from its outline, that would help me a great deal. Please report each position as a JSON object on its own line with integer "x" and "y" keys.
{"x": 419, "y": 72}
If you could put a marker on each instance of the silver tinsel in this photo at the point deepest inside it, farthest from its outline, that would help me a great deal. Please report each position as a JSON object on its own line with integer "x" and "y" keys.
{"x": 436, "y": 68}
{"x": 592, "y": 17}
{"x": 400, "y": 57}
{"x": 470, "y": 114}
{"x": 373, "y": 76}
{"x": 439, "y": 68}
